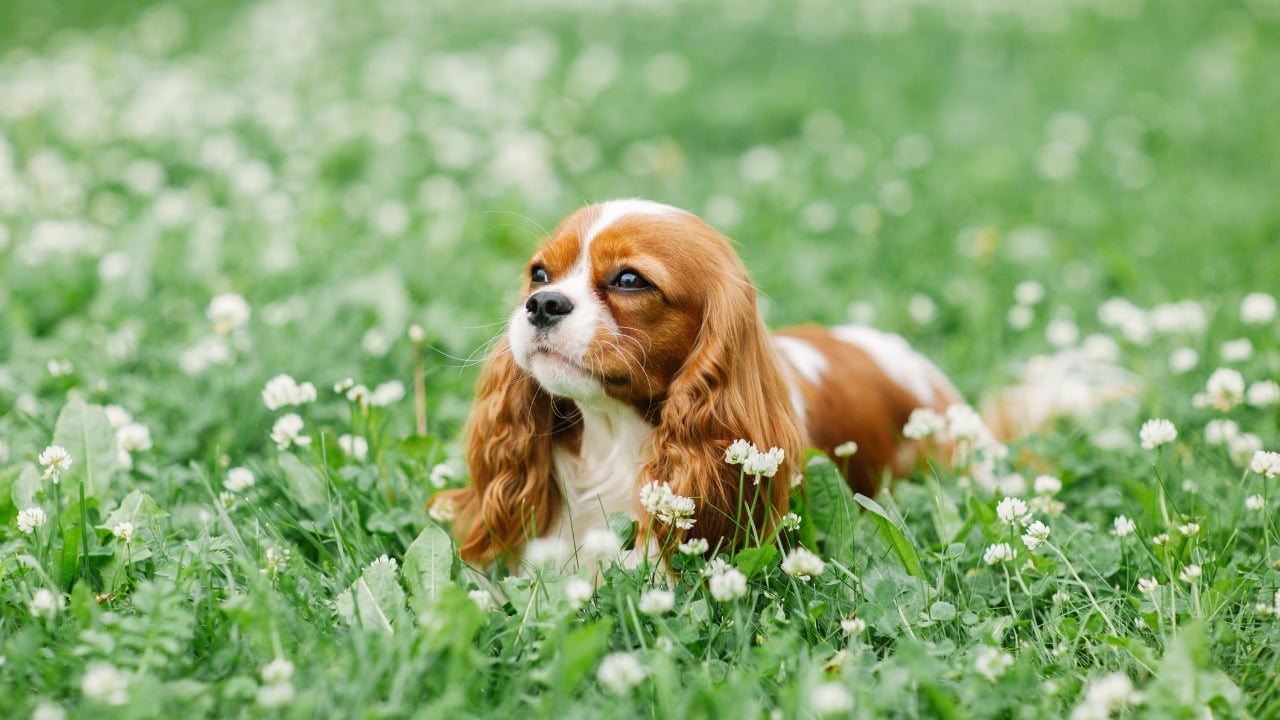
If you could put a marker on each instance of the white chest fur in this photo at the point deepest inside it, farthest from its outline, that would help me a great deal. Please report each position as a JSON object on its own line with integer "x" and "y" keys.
{"x": 601, "y": 478}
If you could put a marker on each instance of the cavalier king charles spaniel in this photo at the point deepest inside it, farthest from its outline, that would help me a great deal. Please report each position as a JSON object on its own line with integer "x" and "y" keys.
{"x": 636, "y": 356}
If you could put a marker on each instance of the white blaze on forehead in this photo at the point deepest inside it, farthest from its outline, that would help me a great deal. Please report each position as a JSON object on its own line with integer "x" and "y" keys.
{"x": 614, "y": 210}
{"x": 895, "y": 357}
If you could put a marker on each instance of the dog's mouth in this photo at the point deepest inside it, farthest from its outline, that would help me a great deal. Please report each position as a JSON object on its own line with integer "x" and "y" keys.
{"x": 551, "y": 354}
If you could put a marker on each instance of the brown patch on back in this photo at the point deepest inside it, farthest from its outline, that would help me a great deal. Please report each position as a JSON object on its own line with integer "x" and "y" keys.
{"x": 858, "y": 401}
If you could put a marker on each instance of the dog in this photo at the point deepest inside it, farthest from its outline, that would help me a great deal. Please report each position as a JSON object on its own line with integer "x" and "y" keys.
{"x": 636, "y": 371}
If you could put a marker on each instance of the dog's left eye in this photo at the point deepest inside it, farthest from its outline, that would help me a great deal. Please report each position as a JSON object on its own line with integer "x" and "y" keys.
{"x": 629, "y": 280}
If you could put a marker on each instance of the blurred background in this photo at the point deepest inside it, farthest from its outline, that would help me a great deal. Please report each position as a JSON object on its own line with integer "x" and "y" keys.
{"x": 353, "y": 168}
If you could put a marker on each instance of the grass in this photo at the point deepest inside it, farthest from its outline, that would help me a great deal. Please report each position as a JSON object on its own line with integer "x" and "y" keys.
{"x": 352, "y": 170}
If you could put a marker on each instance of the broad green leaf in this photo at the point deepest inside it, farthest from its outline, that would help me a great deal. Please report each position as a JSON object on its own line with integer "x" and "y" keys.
{"x": 87, "y": 435}
{"x": 625, "y": 528}
{"x": 305, "y": 485}
{"x": 69, "y": 560}
{"x": 1187, "y": 679}
{"x": 942, "y": 611}
{"x": 374, "y": 600}
{"x": 26, "y": 485}
{"x": 578, "y": 653}
{"x": 894, "y": 533}
{"x": 752, "y": 560}
{"x": 428, "y": 567}
{"x": 831, "y": 507}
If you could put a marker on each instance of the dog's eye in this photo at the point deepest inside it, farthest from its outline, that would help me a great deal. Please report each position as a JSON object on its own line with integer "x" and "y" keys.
{"x": 539, "y": 276}
{"x": 629, "y": 280}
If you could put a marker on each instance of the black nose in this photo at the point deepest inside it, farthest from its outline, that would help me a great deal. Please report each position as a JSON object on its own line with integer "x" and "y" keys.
{"x": 547, "y": 308}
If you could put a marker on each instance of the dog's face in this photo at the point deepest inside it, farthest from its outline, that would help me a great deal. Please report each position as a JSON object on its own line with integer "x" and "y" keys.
{"x": 614, "y": 301}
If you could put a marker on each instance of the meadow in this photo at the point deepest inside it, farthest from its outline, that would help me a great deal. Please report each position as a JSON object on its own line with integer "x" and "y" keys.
{"x": 199, "y": 198}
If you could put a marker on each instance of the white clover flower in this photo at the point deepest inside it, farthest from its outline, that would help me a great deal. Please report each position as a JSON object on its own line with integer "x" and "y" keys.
{"x": 739, "y": 451}
{"x": 228, "y": 312}
{"x": 728, "y": 585}
{"x": 276, "y": 695}
{"x": 846, "y": 449}
{"x": 1047, "y": 485}
{"x": 31, "y": 518}
{"x": 997, "y": 553}
{"x": 1157, "y": 432}
{"x": 387, "y": 393}
{"x": 923, "y": 423}
{"x": 1106, "y": 695}
{"x": 694, "y": 546}
{"x": 1266, "y": 463}
{"x": 802, "y": 564}
{"x": 1161, "y": 539}
{"x": 1220, "y": 431}
{"x": 659, "y": 501}
{"x": 578, "y": 592}
{"x": 1011, "y": 484}
{"x": 1243, "y": 447}
{"x": 1263, "y": 394}
{"x": 277, "y": 671}
{"x": 1148, "y": 585}
{"x": 1237, "y": 350}
{"x": 546, "y": 552}
{"x": 283, "y": 391}
{"x": 482, "y": 598}
{"x": 443, "y": 510}
{"x": 1061, "y": 332}
{"x": 124, "y": 531}
{"x": 117, "y": 416}
{"x": 1223, "y": 390}
{"x": 1186, "y": 317}
{"x": 106, "y": 684}
{"x": 1189, "y": 529}
{"x": 359, "y": 394}
{"x": 830, "y": 698}
{"x": 275, "y": 561}
{"x": 133, "y": 437}
{"x": 1257, "y": 308}
{"x": 227, "y": 498}
{"x": 764, "y": 463}
{"x": 601, "y": 543}
{"x": 56, "y": 460}
{"x": 238, "y": 479}
{"x": 1190, "y": 573}
{"x": 343, "y": 386}
{"x": 441, "y": 475}
{"x": 963, "y": 423}
{"x": 1037, "y": 533}
{"x": 1028, "y": 292}
{"x": 1183, "y": 360}
{"x": 49, "y": 711}
{"x": 1123, "y": 526}
{"x": 288, "y": 432}
{"x": 1020, "y": 317}
{"x": 1255, "y": 502}
{"x": 385, "y": 561}
{"x": 790, "y": 521}
{"x": 991, "y": 662}
{"x": 1047, "y": 505}
{"x": 354, "y": 447}
{"x": 853, "y": 626}
{"x": 656, "y": 601}
{"x": 1013, "y": 511}
{"x": 620, "y": 671}
{"x": 416, "y": 334}
{"x": 45, "y": 604}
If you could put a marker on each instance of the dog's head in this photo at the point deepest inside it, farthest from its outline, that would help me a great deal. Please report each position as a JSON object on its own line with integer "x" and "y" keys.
{"x": 643, "y": 304}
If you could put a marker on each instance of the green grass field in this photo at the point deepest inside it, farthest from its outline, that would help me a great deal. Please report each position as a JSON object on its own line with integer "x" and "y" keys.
{"x": 198, "y": 197}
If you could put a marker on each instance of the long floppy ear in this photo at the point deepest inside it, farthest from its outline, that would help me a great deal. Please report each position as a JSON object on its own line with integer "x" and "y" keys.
{"x": 731, "y": 387}
{"x": 513, "y": 493}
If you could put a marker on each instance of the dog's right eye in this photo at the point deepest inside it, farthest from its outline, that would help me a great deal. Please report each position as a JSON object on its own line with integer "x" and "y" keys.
{"x": 539, "y": 276}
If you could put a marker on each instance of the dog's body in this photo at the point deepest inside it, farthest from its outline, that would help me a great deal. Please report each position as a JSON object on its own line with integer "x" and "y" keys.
{"x": 637, "y": 356}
